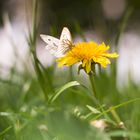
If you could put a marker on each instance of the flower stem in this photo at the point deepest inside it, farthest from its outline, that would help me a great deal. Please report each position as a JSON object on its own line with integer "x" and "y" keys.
{"x": 96, "y": 100}
{"x": 94, "y": 92}
{"x": 92, "y": 82}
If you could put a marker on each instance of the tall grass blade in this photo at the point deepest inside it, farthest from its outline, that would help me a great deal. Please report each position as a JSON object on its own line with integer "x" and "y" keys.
{"x": 115, "y": 107}
{"x": 66, "y": 86}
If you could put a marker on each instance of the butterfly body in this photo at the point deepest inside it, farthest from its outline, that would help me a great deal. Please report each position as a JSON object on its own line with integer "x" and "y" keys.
{"x": 59, "y": 47}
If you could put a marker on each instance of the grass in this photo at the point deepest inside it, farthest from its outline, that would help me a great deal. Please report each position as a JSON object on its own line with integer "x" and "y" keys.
{"x": 46, "y": 106}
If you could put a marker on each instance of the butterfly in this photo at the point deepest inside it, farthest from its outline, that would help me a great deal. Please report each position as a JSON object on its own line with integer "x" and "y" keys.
{"x": 58, "y": 47}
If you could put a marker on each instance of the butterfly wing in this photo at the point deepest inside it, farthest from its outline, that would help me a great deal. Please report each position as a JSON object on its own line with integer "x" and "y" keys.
{"x": 65, "y": 41}
{"x": 52, "y": 44}
{"x": 66, "y": 35}
{"x": 58, "y": 47}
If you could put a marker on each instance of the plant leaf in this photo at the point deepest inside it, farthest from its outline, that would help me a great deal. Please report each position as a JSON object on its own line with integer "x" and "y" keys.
{"x": 115, "y": 107}
{"x": 120, "y": 133}
{"x": 93, "y": 110}
{"x": 66, "y": 86}
{"x": 5, "y": 131}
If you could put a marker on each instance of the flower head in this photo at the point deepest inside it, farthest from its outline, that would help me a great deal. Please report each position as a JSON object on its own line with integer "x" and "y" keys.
{"x": 87, "y": 53}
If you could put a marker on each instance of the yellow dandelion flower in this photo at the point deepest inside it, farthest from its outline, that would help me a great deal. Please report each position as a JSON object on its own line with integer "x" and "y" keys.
{"x": 87, "y": 53}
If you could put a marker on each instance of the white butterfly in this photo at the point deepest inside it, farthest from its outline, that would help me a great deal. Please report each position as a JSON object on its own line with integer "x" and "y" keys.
{"x": 58, "y": 47}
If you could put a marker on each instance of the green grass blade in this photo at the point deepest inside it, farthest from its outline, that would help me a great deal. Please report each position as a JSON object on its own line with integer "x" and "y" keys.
{"x": 5, "y": 130}
{"x": 115, "y": 107}
{"x": 66, "y": 86}
{"x": 93, "y": 110}
{"x": 120, "y": 133}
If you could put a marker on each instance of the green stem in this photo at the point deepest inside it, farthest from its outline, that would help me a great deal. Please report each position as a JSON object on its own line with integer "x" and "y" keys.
{"x": 70, "y": 74}
{"x": 92, "y": 82}
{"x": 116, "y": 116}
{"x": 94, "y": 92}
{"x": 40, "y": 77}
{"x": 32, "y": 43}
{"x": 123, "y": 25}
{"x": 117, "y": 40}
